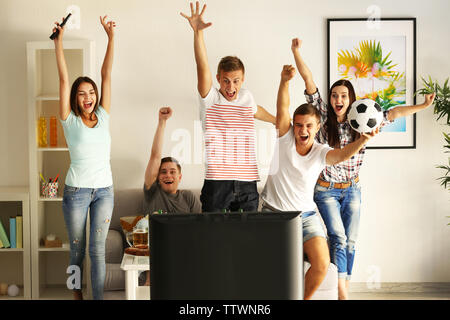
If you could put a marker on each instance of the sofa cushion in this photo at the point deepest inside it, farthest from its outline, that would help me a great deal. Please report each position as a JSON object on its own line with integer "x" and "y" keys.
{"x": 127, "y": 202}
{"x": 114, "y": 247}
{"x": 115, "y": 277}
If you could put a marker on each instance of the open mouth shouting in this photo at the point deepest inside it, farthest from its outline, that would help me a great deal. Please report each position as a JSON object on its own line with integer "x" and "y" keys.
{"x": 87, "y": 105}
{"x": 339, "y": 107}
{"x": 168, "y": 183}
{"x": 230, "y": 94}
{"x": 304, "y": 138}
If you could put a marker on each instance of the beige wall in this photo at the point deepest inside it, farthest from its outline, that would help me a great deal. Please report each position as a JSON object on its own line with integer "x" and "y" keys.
{"x": 403, "y": 231}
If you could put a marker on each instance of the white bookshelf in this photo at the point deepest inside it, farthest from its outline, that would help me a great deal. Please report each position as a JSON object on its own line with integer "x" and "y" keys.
{"x": 53, "y": 149}
{"x": 57, "y": 199}
{"x": 49, "y": 265}
{"x": 15, "y": 266}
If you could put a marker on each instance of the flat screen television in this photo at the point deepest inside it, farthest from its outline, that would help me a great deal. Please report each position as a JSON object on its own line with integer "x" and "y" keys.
{"x": 226, "y": 256}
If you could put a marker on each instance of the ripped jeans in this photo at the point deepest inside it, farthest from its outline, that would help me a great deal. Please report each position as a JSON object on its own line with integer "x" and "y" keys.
{"x": 340, "y": 211}
{"x": 76, "y": 204}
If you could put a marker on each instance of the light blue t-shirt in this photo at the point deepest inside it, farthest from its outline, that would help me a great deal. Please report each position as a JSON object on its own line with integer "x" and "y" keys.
{"x": 89, "y": 150}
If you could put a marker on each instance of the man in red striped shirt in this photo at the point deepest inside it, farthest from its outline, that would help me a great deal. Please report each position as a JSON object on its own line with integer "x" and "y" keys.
{"x": 227, "y": 116}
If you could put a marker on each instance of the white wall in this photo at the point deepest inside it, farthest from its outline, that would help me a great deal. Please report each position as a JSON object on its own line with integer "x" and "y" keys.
{"x": 403, "y": 228}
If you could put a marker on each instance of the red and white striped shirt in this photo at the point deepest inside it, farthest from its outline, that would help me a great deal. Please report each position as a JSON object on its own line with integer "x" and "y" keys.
{"x": 230, "y": 136}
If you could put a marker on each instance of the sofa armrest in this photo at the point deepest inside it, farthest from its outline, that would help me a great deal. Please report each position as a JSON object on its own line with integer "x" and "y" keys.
{"x": 114, "y": 247}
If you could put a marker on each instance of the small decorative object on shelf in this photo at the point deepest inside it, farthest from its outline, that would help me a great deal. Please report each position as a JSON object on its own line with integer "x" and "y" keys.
{"x": 13, "y": 290}
{"x": 52, "y": 241}
{"x": 53, "y": 132}
{"x": 42, "y": 132}
{"x": 52, "y": 190}
{"x": 49, "y": 189}
{"x": 3, "y": 289}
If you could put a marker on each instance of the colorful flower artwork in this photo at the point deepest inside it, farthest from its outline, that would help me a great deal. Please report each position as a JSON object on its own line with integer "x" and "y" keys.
{"x": 375, "y": 68}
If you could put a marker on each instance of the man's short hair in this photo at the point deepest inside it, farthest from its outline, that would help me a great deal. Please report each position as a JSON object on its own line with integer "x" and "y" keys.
{"x": 307, "y": 109}
{"x": 230, "y": 63}
{"x": 170, "y": 159}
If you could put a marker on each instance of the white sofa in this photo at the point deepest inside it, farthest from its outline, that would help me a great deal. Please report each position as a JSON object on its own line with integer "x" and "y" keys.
{"x": 129, "y": 202}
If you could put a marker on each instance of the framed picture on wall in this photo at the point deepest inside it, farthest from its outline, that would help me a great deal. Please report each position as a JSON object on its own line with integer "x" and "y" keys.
{"x": 379, "y": 58}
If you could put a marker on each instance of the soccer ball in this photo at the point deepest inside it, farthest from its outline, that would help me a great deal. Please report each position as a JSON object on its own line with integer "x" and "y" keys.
{"x": 365, "y": 115}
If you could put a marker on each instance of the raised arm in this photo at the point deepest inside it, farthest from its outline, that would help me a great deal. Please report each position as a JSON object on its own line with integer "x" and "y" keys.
{"x": 338, "y": 155}
{"x": 399, "y": 112}
{"x": 303, "y": 69}
{"x": 105, "y": 100}
{"x": 151, "y": 173}
{"x": 264, "y": 115}
{"x": 64, "y": 86}
{"x": 283, "y": 120}
{"x": 204, "y": 77}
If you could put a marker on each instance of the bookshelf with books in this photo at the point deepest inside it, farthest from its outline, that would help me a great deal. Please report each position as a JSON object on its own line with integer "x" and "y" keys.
{"x": 49, "y": 160}
{"x": 15, "y": 249}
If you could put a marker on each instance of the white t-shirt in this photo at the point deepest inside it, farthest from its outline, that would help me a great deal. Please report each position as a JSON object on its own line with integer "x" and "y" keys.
{"x": 229, "y": 133}
{"x": 292, "y": 177}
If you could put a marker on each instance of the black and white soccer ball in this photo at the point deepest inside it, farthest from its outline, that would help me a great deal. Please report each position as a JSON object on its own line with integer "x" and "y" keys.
{"x": 365, "y": 115}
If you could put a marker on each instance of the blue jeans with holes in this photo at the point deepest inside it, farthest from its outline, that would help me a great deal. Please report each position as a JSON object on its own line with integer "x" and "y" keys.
{"x": 100, "y": 203}
{"x": 340, "y": 211}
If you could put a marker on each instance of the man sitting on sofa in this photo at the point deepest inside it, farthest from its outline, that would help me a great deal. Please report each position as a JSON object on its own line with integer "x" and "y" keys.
{"x": 163, "y": 176}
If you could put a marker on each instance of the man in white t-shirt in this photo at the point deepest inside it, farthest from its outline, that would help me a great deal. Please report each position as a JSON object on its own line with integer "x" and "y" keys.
{"x": 227, "y": 116}
{"x": 297, "y": 163}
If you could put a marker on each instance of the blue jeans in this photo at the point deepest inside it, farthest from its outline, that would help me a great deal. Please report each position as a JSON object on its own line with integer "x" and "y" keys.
{"x": 340, "y": 211}
{"x": 311, "y": 225}
{"x": 100, "y": 203}
{"x": 232, "y": 195}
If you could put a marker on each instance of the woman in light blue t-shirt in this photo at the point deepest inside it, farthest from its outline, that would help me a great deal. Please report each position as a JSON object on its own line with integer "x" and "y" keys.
{"x": 88, "y": 184}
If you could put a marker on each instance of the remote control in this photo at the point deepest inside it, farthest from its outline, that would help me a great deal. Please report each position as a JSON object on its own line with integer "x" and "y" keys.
{"x": 55, "y": 34}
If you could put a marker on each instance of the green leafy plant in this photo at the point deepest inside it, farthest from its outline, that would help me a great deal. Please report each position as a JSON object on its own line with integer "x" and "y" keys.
{"x": 446, "y": 178}
{"x": 442, "y": 109}
{"x": 442, "y": 100}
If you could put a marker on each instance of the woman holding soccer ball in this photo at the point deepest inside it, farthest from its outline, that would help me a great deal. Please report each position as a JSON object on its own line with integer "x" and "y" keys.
{"x": 337, "y": 193}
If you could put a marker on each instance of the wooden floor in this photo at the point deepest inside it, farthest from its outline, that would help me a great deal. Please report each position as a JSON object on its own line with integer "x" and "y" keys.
{"x": 400, "y": 296}
{"x": 401, "y": 291}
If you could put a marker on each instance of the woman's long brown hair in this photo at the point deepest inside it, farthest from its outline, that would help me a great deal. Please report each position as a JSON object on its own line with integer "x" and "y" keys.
{"x": 73, "y": 95}
{"x": 331, "y": 125}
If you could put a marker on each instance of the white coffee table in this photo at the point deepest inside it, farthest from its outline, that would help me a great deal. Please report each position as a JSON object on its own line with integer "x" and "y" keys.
{"x": 132, "y": 265}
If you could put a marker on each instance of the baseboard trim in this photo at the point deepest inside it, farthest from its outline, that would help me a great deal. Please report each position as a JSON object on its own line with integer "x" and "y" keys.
{"x": 394, "y": 287}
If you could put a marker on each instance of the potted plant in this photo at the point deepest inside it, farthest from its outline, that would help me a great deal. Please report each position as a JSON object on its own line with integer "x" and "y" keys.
{"x": 442, "y": 109}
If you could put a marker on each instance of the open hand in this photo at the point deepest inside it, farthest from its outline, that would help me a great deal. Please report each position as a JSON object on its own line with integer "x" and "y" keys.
{"x": 165, "y": 113}
{"x": 196, "y": 19}
{"x": 370, "y": 135}
{"x": 108, "y": 26}
{"x": 296, "y": 44}
{"x": 287, "y": 73}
